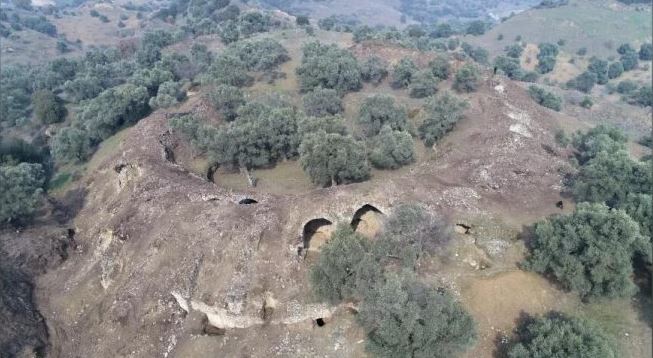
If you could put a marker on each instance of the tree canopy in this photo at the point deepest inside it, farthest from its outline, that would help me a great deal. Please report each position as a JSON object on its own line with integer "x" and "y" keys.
{"x": 590, "y": 251}
{"x": 391, "y": 149}
{"x": 559, "y": 335}
{"x": 380, "y": 110}
{"x": 467, "y": 78}
{"x": 322, "y": 102}
{"x": 442, "y": 114}
{"x": 328, "y": 66}
{"x": 21, "y": 191}
{"x": 333, "y": 159}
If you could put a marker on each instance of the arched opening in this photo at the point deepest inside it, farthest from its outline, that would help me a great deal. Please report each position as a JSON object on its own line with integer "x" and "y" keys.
{"x": 210, "y": 172}
{"x": 316, "y": 232}
{"x": 367, "y": 220}
{"x": 247, "y": 201}
{"x": 320, "y": 322}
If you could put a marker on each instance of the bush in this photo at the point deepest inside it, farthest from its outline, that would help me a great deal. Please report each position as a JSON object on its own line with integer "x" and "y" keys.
{"x": 626, "y": 87}
{"x": 547, "y": 57}
{"x": 327, "y": 124}
{"x": 586, "y": 102}
{"x": 168, "y": 95}
{"x": 583, "y": 82}
{"x": 509, "y": 66}
{"x": 21, "y": 191}
{"x": 374, "y": 70}
{"x": 71, "y": 145}
{"x": 558, "y": 335}
{"x": 338, "y": 273}
{"x": 597, "y": 139}
{"x": 629, "y": 60}
{"x": 227, "y": 100}
{"x": 600, "y": 68}
{"x": 333, "y": 159}
{"x": 477, "y": 54}
{"x": 545, "y": 98}
{"x": 423, "y": 84}
{"x": 391, "y": 149}
{"x": 442, "y": 114}
{"x": 643, "y": 97}
{"x": 476, "y": 28}
{"x": 590, "y": 251}
{"x": 403, "y": 72}
{"x": 646, "y": 52}
{"x": 440, "y": 67}
{"x": 328, "y": 66}
{"x": 104, "y": 115}
{"x": 615, "y": 70}
{"x": 467, "y": 78}
{"x": 378, "y": 111}
{"x": 48, "y": 108}
{"x": 405, "y": 318}
{"x": 639, "y": 208}
{"x": 302, "y": 20}
{"x": 322, "y": 102}
{"x": 514, "y": 51}
{"x": 259, "y": 55}
{"x": 229, "y": 70}
{"x": 609, "y": 177}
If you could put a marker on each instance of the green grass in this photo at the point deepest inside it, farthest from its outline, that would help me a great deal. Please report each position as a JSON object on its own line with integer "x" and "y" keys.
{"x": 59, "y": 181}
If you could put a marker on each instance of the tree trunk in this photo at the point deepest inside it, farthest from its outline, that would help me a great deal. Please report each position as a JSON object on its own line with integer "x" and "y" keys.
{"x": 250, "y": 178}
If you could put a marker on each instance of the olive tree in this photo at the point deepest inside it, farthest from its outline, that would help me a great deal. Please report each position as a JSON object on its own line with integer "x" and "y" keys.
{"x": 328, "y": 66}
{"x": 559, "y": 335}
{"x": 403, "y": 72}
{"x": 403, "y": 317}
{"x": 378, "y": 111}
{"x": 423, "y": 84}
{"x": 333, "y": 159}
{"x": 442, "y": 114}
{"x": 71, "y": 145}
{"x": 322, "y": 102}
{"x": 467, "y": 78}
{"x": 48, "y": 108}
{"x": 391, "y": 149}
{"x": 21, "y": 191}
{"x": 590, "y": 251}
{"x": 374, "y": 70}
{"x": 227, "y": 100}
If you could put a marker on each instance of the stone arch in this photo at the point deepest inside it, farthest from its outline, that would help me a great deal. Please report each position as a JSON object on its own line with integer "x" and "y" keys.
{"x": 315, "y": 233}
{"x": 247, "y": 201}
{"x": 367, "y": 220}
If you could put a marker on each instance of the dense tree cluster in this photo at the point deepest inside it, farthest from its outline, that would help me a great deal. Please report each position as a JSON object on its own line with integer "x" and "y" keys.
{"x": 21, "y": 191}
{"x": 513, "y": 70}
{"x": 423, "y": 84}
{"x": 477, "y": 54}
{"x": 328, "y": 66}
{"x": 374, "y": 70}
{"x": 259, "y": 55}
{"x": 400, "y": 315}
{"x": 227, "y": 100}
{"x": 48, "y": 108}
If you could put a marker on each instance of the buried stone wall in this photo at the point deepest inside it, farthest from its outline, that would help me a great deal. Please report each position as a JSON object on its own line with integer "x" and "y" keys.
{"x": 315, "y": 233}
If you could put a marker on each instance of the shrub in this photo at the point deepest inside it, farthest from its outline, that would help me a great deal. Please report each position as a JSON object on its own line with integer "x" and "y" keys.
{"x": 328, "y": 66}
{"x": 423, "y": 84}
{"x": 467, "y": 78}
{"x": 477, "y": 54}
{"x": 590, "y": 251}
{"x": 509, "y": 66}
{"x": 302, "y": 20}
{"x": 378, "y": 111}
{"x": 227, "y": 100}
{"x": 476, "y": 28}
{"x": 558, "y": 335}
{"x": 626, "y": 87}
{"x": 615, "y": 70}
{"x": 646, "y": 52}
{"x": 322, "y": 102}
{"x": 333, "y": 159}
{"x": 586, "y": 102}
{"x": 514, "y": 51}
{"x": 391, "y": 149}
{"x": 600, "y": 68}
{"x": 374, "y": 70}
{"x": 442, "y": 114}
{"x": 259, "y": 55}
{"x": 405, "y": 318}
{"x": 583, "y": 82}
{"x": 547, "y": 57}
{"x": 545, "y": 98}
{"x": 597, "y": 139}
{"x": 440, "y": 67}
{"x": 21, "y": 191}
{"x": 228, "y": 70}
{"x": 168, "y": 95}
{"x": 71, "y": 145}
{"x": 629, "y": 60}
{"x": 403, "y": 72}
{"x": 327, "y": 124}
{"x": 48, "y": 108}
